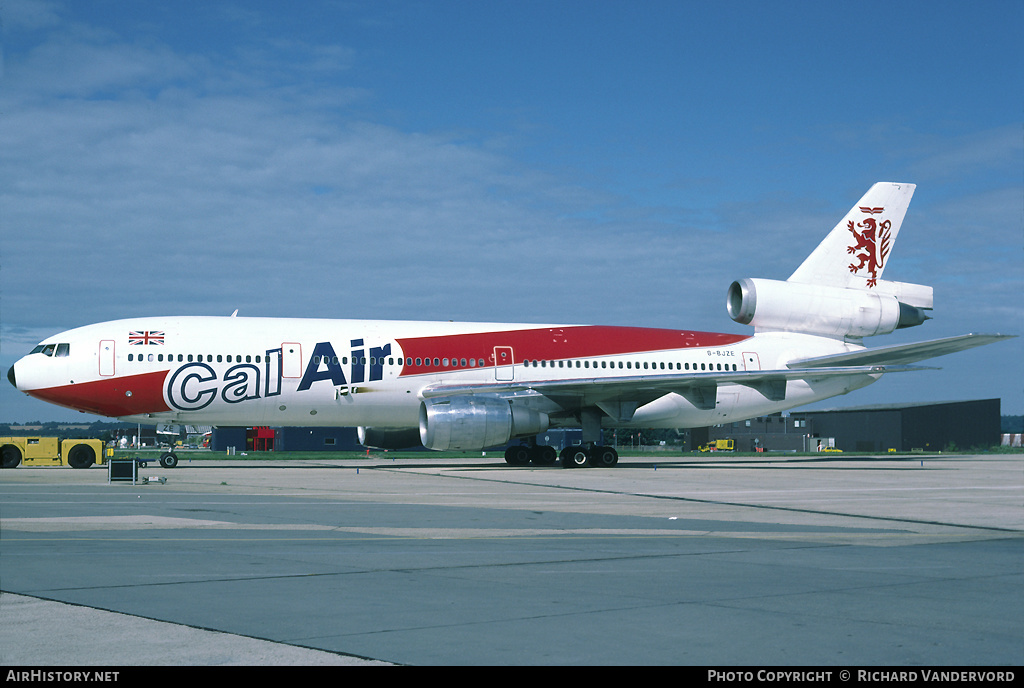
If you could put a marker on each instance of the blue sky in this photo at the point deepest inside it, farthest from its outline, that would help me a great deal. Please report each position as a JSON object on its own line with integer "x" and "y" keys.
{"x": 573, "y": 162}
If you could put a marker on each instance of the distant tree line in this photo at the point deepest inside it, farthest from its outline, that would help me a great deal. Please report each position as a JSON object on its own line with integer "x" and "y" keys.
{"x": 99, "y": 430}
{"x": 107, "y": 431}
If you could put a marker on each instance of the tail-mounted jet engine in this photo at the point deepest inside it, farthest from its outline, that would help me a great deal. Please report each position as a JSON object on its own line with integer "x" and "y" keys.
{"x": 472, "y": 423}
{"x": 829, "y": 311}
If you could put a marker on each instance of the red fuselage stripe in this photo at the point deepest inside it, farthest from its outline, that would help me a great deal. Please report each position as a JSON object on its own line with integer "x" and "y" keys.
{"x": 553, "y": 343}
{"x": 114, "y": 397}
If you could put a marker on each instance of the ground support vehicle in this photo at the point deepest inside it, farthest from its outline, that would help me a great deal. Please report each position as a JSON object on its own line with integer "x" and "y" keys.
{"x": 49, "y": 451}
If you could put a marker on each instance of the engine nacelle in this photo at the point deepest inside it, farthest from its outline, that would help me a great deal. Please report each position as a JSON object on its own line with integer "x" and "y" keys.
{"x": 387, "y": 438}
{"x": 829, "y": 311}
{"x": 473, "y": 423}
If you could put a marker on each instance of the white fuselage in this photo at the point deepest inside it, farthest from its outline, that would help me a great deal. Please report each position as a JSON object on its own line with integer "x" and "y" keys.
{"x": 300, "y": 372}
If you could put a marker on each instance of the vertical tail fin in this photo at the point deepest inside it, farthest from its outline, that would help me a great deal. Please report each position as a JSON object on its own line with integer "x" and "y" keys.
{"x": 855, "y": 252}
{"x": 839, "y": 291}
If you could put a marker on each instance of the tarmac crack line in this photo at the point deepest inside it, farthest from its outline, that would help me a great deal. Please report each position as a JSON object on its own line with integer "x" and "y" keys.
{"x": 717, "y": 502}
{"x": 406, "y": 569}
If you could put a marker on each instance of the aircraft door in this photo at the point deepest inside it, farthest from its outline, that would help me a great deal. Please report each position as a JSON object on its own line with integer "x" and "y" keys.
{"x": 504, "y": 370}
{"x": 106, "y": 357}
{"x": 751, "y": 361}
{"x": 291, "y": 360}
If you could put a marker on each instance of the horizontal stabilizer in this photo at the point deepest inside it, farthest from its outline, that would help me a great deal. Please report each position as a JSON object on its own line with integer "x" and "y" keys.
{"x": 901, "y": 354}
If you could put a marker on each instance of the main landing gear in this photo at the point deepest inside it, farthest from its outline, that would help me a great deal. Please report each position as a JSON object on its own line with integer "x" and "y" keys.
{"x": 572, "y": 457}
{"x": 524, "y": 455}
{"x": 585, "y": 456}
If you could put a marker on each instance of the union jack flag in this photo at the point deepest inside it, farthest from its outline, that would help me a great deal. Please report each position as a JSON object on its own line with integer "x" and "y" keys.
{"x": 146, "y": 337}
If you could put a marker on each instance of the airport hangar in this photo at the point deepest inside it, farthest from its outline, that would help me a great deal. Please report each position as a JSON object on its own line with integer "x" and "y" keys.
{"x": 927, "y": 426}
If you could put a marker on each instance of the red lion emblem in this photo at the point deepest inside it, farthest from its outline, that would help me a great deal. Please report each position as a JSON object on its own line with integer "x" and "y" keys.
{"x": 874, "y": 242}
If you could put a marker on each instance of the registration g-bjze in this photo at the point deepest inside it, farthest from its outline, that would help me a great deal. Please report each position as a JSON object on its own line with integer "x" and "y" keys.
{"x": 474, "y": 386}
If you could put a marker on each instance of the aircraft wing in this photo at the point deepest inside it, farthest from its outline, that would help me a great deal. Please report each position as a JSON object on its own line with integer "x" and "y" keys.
{"x": 901, "y": 354}
{"x": 620, "y": 397}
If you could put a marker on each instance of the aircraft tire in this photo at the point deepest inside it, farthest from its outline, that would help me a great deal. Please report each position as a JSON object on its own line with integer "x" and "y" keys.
{"x": 544, "y": 455}
{"x": 517, "y": 456}
{"x": 577, "y": 457}
{"x": 605, "y": 457}
{"x": 10, "y": 456}
{"x": 168, "y": 460}
{"x": 81, "y": 456}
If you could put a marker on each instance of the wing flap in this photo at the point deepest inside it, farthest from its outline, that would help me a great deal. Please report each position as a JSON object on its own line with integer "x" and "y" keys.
{"x": 620, "y": 397}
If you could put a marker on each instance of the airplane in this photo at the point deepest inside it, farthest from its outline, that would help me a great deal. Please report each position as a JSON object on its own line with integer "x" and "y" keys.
{"x": 475, "y": 386}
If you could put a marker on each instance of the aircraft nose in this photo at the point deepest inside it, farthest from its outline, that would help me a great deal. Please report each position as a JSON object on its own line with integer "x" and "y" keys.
{"x": 10, "y": 376}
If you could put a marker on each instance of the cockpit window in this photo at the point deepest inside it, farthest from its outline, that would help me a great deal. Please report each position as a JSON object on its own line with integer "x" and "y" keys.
{"x": 60, "y": 350}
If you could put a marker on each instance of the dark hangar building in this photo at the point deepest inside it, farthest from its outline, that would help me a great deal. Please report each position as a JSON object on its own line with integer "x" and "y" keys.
{"x": 930, "y": 426}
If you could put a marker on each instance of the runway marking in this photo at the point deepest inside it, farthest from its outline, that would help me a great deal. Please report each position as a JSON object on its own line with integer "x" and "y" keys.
{"x": 336, "y": 533}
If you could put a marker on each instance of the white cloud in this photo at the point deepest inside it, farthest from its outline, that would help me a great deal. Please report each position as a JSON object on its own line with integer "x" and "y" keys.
{"x": 29, "y": 15}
